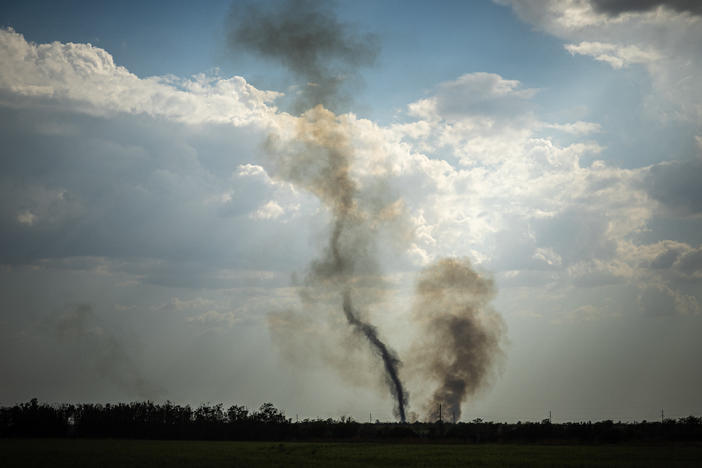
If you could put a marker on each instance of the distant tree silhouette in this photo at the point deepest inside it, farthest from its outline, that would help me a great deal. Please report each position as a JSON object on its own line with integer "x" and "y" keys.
{"x": 269, "y": 414}
{"x": 171, "y": 421}
{"x": 237, "y": 414}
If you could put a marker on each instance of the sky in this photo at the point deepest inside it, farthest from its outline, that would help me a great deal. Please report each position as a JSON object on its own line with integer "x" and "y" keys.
{"x": 159, "y": 233}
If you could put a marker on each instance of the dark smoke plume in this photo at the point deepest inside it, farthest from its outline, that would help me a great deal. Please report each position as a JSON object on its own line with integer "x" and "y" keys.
{"x": 463, "y": 334}
{"x": 307, "y": 39}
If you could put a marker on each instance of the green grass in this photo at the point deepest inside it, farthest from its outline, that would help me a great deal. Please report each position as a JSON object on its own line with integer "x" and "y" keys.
{"x": 105, "y": 453}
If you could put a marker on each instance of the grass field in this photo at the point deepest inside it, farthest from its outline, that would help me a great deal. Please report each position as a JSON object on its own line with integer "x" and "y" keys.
{"x": 146, "y": 453}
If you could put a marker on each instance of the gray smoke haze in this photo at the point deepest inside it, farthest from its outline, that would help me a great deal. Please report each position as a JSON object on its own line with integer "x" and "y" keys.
{"x": 617, "y": 7}
{"x": 101, "y": 351}
{"x": 306, "y": 38}
{"x": 462, "y": 335}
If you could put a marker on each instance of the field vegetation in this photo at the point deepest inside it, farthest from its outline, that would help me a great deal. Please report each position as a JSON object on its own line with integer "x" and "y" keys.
{"x": 107, "y": 453}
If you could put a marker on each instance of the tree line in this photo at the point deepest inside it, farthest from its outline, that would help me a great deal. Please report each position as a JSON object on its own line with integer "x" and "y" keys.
{"x": 149, "y": 420}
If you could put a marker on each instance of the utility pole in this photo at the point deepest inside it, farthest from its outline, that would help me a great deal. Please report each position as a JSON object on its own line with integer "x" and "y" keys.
{"x": 370, "y": 418}
{"x": 440, "y": 420}
{"x": 549, "y": 416}
{"x": 662, "y": 416}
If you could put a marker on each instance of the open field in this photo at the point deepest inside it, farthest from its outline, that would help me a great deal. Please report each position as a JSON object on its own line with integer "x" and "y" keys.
{"x": 148, "y": 453}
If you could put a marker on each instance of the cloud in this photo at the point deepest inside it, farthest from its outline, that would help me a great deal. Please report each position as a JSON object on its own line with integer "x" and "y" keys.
{"x": 88, "y": 76}
{"x": 514, "y": 200}
{"x": 663, "y": 254}
{"x": 690, "y": 263}
{"x": 252, "y": 183}
{"x": 556, "y": 16}
{"x": 214, "y": 318}
{"x": 676, "y": 185}
{"x": 614, "y": 55}
{"x": 664, "y": 40}
{"x": 162, "y": 210}
{"x": 26, "y": 217}
{"x": 270, "y": 210}
{"x": 663, "y": 300}
{"x": 188, "y": 202}
{"x": 575, "y": 128}
{"x": 617, "y": 7}
{"x": 668, "y": 258}
{"x": 604, "y": 252}
{"x": 548, "y": 256}
{"x": 519, "y": 200}
{"x": 160, "y": 173}
{"x": 473, "y": 94}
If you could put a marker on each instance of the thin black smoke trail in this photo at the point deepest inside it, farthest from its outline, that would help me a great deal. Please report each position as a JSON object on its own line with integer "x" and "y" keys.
{"x": 390, "y": 360}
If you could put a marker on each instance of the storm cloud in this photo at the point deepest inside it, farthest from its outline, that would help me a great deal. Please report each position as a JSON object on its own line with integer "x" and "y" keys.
{"x": 617, "y": 7}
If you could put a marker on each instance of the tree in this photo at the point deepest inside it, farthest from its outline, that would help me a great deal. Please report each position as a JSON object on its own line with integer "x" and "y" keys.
{"x": 269, "y": 414}
{"x": 237, "y": 414}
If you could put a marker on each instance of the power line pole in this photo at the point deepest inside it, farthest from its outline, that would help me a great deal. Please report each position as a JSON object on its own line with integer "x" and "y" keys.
{"x": 662, "y": 416}
{"x": 440, "y": 420}
{"x": 549, "y": 416}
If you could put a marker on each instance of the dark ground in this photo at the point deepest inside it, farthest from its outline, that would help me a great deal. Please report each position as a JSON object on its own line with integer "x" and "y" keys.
{"x": 105, "y": 453}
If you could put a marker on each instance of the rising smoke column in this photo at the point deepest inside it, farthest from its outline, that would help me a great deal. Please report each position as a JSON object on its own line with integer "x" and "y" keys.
{"x": 308, "y": 40}
{"x": 463, "y": 334}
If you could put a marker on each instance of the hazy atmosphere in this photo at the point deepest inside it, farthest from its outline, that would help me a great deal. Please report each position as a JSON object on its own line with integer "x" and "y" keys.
{"x": 363, "y": 209}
